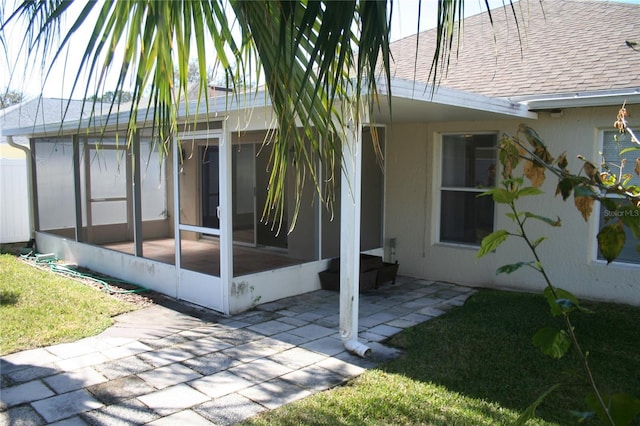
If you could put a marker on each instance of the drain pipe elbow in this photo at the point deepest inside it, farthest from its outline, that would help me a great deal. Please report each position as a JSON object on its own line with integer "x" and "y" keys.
{"x": 27, "y": 153}
{"x": 357, "y": 348}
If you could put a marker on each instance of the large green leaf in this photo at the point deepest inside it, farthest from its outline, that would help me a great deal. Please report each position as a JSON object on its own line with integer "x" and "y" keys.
{"x": 561, "y": 301}
{"x": 552, "y": 342}
{"x": 528, "y": 191}
{"x": 491, "y": 242}
{"x": 611, "y": 240}
{"x": 530, "y": 412}
{"x": 623, "y": 408}
{"x": 500, "y": 195}
{"x": 548, "y": 221}
{"x": 508, "y": 269}
{"x": 630, "y": 149}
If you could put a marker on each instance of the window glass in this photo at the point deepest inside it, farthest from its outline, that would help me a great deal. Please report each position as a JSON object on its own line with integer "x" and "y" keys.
{"x": 613, "y": 142}
{"x": 468, "y": 168}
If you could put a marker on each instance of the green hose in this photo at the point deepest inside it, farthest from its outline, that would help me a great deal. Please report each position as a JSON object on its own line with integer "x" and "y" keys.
{"x": 65, "y": 270}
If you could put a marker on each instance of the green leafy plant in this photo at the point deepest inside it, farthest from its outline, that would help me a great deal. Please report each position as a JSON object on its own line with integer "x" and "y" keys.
{"x": 588, "y": 185}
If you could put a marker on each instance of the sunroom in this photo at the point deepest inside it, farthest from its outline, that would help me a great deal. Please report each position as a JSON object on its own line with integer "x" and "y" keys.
{"x": 188, "y": 222}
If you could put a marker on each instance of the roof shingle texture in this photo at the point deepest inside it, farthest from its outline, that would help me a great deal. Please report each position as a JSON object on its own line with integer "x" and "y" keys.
{"x": 549, "y": 47}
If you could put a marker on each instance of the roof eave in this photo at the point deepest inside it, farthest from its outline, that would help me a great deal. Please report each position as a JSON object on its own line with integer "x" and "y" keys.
{"x": 445, "y": 96}
{"x": 579, "y": 100}
{"x": 215, "y": 109}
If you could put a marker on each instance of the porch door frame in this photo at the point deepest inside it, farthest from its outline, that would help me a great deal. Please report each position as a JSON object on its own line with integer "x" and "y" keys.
{"x": 132, "y": 207}
{"x": 190, "y": 283}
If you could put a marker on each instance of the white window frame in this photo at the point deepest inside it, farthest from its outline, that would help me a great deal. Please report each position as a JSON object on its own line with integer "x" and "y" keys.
{"x": 439, "y": 188}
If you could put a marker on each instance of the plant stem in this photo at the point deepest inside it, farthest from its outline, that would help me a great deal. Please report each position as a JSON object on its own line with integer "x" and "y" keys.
{"x": 567, "y": 320}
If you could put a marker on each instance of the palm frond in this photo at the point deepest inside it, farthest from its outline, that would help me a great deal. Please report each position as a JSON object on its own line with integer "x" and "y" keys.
{"x": 319, "y": 61}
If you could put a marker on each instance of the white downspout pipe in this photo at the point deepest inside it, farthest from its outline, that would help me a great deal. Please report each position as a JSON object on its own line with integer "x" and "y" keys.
{"x": 350, "y": 198}
{"x": 27, "y": 154}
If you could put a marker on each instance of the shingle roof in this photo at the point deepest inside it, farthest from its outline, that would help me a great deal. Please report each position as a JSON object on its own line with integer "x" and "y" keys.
{"x": 562, "y": 47}
{"x": 43, "y": 110}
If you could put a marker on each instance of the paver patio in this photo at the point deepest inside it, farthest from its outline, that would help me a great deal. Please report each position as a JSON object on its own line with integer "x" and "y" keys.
{"x": 177, "y": 365}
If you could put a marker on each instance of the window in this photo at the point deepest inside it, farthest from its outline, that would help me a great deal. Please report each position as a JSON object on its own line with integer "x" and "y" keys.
{"x": 612, "y": 143}
{"x": 468, "y": 168}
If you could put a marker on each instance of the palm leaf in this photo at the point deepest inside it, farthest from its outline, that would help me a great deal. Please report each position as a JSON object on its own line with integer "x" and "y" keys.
{"x": 319, "y": 61}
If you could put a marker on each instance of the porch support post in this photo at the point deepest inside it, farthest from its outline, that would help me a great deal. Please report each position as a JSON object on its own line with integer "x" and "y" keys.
{"x": 226, "y": 218}
{"x": 137, "y": 196}
{"x": 350, "y": 199}
{"x": 175, "y": 166}
{"x": 77, "y": 186}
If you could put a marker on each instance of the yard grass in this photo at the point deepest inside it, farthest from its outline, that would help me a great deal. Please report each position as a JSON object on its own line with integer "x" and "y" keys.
{"x": 476, "y": 365}
{"x": 39, "y": 308}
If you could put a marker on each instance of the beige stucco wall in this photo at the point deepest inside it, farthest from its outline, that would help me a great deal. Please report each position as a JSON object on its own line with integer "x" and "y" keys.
{"x": 412, "y": 212}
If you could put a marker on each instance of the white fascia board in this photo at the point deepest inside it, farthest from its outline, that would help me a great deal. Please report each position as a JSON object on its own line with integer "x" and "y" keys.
{"x": 218, "y": 108}
{"x": 587, "y": 99}
{"x": 413, "y": 90}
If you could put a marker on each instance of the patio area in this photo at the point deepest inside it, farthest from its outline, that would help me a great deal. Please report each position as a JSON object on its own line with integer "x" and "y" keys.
{"x": 203, "y": 255}
{"x": 175, "y": 364}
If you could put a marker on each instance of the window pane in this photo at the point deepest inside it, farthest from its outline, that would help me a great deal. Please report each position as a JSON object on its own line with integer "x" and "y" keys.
{"x": 468, "y": 161}
{"x": 465, "y": 217}
{"x": 613, "y": 143}
{"x": 629, "y": 251}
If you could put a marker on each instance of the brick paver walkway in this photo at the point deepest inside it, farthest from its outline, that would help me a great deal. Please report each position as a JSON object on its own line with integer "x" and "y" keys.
{"x": 160, "y": 366}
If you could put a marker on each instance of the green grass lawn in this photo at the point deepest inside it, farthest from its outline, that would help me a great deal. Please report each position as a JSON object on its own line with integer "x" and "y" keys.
{"x": 39, "y": 308}
{"x": 476, "y": 365}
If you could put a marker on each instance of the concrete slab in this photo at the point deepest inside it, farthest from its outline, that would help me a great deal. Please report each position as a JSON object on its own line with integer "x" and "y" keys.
{"x": 220, "y": 384}
{"x": 186, "y": 417}
{"x": 169, "y": 375}
{"x": 173, "y": 399}
{"x": 211, "y": 363}
{"x": 153, "y": 322}
{"x": 126, "y": 412}
{"x": 229, "y": 410}
{"x": 78, "y": 379}
{"x": 21, "y": 416}
{"x": 275, "y": 393}
{"x": 26, "y": 392}
{"x": 260, "y": 370}
{"x": 117, "y": 390}
{"x": 123, "y": 367}
{"x": 66, "y": 405}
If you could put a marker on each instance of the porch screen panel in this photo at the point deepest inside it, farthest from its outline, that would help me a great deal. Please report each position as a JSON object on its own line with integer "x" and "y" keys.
{"x": 154, "y": 182}
{"x": 55, "y": 185}
{"x": 108, "y": 168}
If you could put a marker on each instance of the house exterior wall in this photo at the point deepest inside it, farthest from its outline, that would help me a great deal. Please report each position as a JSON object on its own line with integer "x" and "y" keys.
{"x": 569, "y": 254}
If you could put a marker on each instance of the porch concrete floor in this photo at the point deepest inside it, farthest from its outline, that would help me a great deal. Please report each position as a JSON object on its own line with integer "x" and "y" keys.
{"x": 175, "y": 364}
{"x": 204, "y": 255}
